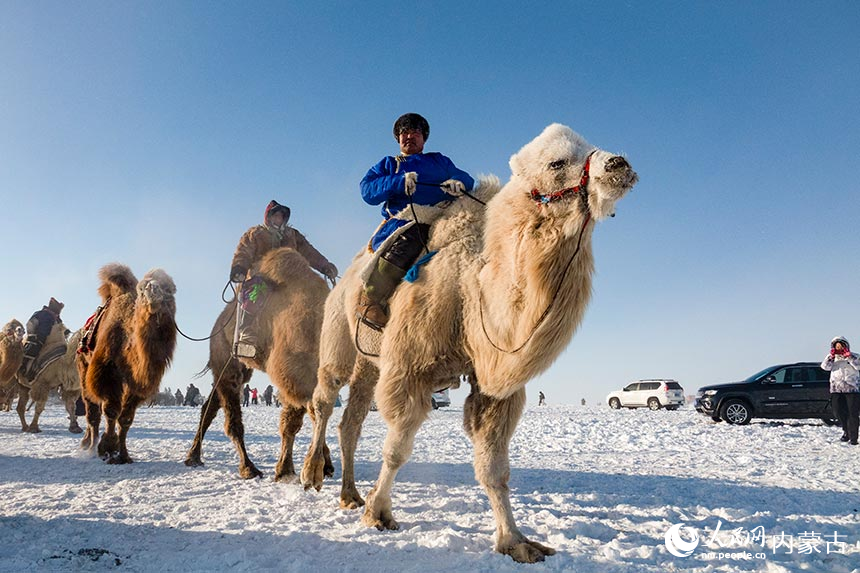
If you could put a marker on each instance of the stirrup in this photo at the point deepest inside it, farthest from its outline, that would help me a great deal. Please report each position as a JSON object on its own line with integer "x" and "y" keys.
{"x": 362, "y": 318}
{"x": 244, "y": 350}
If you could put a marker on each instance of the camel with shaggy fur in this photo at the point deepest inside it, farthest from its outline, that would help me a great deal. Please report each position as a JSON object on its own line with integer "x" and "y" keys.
{"x": 288, "y": 334}
{"x": 11, "y": 357}
{"x": 499, "y": 302}
{"x": 61, "y": 373}
{"x": 133, "y": 347}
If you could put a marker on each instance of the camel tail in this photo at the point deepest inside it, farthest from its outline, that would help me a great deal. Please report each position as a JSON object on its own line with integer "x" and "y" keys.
{"x": 116, "y": 279}
{"x": 200, "y": 374}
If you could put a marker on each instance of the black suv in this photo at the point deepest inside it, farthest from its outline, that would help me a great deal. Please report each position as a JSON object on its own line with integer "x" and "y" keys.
{"x": 800, "y": 390}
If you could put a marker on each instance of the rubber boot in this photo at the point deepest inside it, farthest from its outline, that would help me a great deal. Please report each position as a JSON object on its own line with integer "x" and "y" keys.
{"x": 373, "y": 305}
{"x": 31, "y": 351}
{"x": 244, "y": 338}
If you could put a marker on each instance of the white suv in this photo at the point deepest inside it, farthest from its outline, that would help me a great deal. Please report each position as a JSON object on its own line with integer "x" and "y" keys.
{"x": 653, "y": 393}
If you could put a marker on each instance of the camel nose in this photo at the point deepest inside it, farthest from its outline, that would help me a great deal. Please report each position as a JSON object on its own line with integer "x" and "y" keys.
{"x": 616, "y": 163}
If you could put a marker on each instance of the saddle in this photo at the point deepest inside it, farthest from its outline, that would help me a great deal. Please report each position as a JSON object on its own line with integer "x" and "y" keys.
{"x": 91, "y": 328}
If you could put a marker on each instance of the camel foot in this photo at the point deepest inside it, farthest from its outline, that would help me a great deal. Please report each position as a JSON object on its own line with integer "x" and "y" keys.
{"x": 525, "y": 551}
{"x": 381, "y": 519}
{"x": 25, "y": 428}
{"x": 349, "y": 499}
{"x": 76, "y": 429}
{"x": 34, "y": 429}
{"x": 312, "y": 473}
{"x": 250, "y": 472}
{"x": 193, "y": 462}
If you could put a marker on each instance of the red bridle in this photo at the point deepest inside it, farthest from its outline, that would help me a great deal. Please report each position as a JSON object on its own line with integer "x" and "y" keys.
{"x": 550, "y": 197}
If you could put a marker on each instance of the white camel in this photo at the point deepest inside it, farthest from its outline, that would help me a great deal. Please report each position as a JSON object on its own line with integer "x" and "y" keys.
{"x": 499, "y": 301}
{"x": 60, "y": 373}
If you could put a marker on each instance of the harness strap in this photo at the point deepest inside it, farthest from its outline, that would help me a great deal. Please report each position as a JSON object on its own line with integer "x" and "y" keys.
{"x": 542, "y": 199}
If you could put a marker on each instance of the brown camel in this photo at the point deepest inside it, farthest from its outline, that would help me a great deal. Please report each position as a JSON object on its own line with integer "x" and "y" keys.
{"x": 288, "y": 331}
{"x": 129, "y": 352}
{"x": 11, "y": 356}
{"x": 499, "y": 302}
{"x": 60, "y": 373}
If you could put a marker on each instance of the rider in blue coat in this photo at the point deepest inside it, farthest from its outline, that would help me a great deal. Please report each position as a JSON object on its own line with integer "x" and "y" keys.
{"x": 423, "y": 179}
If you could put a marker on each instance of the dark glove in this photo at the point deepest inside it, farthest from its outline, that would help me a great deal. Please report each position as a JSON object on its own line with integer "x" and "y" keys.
{"x": 329, "y": 270}
{"x": 237, "y": 273}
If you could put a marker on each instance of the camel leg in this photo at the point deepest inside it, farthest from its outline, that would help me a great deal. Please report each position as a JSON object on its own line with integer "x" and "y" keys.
{"x": 490, "y": 423}
{"x": 235, "y": 430}
{"x": 111, "y": 409}
{"x": 34, "y": 423}
{"x": 130, "y": 403}
{"x": 207, "y": 413}
{"x": 291, "y": 422}
{"x": 23, "y": 397}
{"x": 403, "y": 415}
{"x": 325, "y": 395}
{"x": 94, "y": 420}
{"x": 69, "y": 399}
{"x": 360, "y": 396}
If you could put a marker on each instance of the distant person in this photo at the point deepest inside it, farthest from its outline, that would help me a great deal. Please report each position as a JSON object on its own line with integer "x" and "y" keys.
{"x": 267, "y": 395}
{"x": 178, "y": 397}
{"x": 844, "y": 368}
{"x": 541, "y": 399}
{"x": 582, "y": 402}
{"x": 191, "y": 395}
{"x": 246, "y": 396}
{"x": 254, "y": 400}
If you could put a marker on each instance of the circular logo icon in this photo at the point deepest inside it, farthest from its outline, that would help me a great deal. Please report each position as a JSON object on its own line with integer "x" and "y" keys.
{"x": 678, "y": 546}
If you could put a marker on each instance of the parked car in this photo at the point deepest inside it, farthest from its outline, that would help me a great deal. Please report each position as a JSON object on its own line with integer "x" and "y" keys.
{"x": 440, "y": 399}
{"x": 799, "y": 390}
{"x": 653, "y": 393}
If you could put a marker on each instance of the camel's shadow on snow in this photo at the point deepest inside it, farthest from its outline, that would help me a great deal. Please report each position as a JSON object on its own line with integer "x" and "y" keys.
{"x": 82, "y": 544}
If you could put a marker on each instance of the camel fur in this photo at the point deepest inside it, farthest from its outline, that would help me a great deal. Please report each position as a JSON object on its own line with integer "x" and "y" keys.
{"x": 288, "y": 334}
{"x": 62, "y": 373}
{"x": 133, "y": 348}
{"x": 499, "y": 302}
{"x": 11, "y": 357}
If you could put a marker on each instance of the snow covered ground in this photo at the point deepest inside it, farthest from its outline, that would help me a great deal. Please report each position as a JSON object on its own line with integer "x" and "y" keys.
{"x": 603, "y": 487}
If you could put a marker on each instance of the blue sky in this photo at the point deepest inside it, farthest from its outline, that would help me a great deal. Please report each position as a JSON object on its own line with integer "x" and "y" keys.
{"x": 154, "y": 134}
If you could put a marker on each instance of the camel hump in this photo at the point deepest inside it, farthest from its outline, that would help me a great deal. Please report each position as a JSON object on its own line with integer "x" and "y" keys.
{"x": 116, "y": 279}
{"x": 285, "y": 265}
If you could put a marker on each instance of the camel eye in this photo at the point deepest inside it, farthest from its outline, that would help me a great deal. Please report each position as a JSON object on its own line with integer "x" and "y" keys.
{"x": 559, "y": 164}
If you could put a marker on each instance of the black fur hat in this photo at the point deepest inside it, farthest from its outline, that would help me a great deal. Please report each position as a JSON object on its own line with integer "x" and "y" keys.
{"x": 409, "y": 121}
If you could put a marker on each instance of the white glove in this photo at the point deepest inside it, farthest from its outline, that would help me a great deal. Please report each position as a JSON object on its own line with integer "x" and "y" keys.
{"x": 410, "y": 182}
{"x": 453, "y": 187}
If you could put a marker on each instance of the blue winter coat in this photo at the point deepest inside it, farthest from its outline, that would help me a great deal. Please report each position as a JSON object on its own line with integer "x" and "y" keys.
{"x": 384, "y": 184}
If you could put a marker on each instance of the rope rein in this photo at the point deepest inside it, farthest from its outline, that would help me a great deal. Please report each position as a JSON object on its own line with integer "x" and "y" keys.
{"x": 220, "y": 330}
{"x": 549, "y": 306}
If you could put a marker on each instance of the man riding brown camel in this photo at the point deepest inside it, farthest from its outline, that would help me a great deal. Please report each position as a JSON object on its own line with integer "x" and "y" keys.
{"x": 274, "y": 233}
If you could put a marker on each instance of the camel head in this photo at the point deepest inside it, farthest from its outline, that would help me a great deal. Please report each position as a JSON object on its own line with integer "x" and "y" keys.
{"x": 15, "y": 330}
{"x": 157, "y": 290}
{"x": 564, "y": 172}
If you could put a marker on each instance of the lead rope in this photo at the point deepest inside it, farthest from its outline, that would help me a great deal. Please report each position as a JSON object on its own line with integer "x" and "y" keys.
{"x": 549, "y": 306}
{"x": 220, "y": 330}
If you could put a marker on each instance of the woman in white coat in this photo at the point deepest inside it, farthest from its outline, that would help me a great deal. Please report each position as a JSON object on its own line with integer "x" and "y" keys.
{"x": 844, "y": 367}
